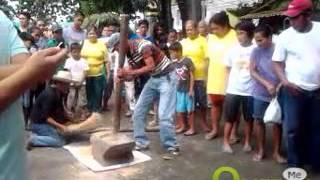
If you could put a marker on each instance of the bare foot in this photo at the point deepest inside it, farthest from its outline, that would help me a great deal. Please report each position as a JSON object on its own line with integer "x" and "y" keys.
{"x": 257, "y": 157}
{"x": 247, "y": 148}
{"x": 190, "y": 132}
{"x": 180, "y": 130}
{"x": 211, "y": 135}
{"x": 206, "y": 129}
{"x": 279, "y": 159}
{"x": 226, "y": 148}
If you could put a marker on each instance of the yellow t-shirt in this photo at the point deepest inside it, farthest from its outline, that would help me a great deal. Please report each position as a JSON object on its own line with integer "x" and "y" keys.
{"x": 95, "y": 54}
{"x": 195, "y": 49}
{"x": 216, "y": 52}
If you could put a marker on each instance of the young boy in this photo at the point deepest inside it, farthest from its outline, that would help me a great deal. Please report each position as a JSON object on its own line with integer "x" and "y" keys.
{"x": 239, "y": 88}
{"x": 78, "y": 67}
{"x": 185, "y": 102}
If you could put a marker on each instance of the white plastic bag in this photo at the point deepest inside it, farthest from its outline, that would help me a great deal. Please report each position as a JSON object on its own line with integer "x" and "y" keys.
{"x": 273, "y": 112}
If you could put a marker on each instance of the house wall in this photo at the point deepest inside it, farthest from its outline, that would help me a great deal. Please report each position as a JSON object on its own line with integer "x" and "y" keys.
{"x": 210, "y": 7}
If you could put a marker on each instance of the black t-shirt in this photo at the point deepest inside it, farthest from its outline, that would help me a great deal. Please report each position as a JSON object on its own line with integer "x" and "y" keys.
{"x": 183, "y": 69}
{"x": 48, "y": 104}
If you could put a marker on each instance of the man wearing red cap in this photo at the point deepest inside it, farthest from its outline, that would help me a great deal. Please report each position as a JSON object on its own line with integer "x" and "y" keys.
{"x": 297, "y": 64}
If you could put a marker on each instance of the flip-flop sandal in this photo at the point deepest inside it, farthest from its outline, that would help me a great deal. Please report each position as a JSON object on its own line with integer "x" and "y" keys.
{"x": 281, "y": 161}
{"x": 178, "y": 131}
{"x": 211, "y": 136}
{"x": 247, "y": 149}
{"x": 257, "y": 158}
{"x": 189, "y": 134}
{"x": 228, "y": 151}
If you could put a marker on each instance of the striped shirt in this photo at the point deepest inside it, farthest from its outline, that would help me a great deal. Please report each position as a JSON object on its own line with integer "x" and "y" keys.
{"x": 141, "y": 49}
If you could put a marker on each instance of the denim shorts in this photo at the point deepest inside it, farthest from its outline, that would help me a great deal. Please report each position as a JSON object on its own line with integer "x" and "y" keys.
{"x": 259, "y": 108}
{"x": 234, "y": 104}
{"x": 200, "y": 94}
{"x": 185, "y": 103}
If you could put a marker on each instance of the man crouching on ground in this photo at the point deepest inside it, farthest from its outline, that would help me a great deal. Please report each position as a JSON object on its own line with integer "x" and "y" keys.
{"x": 146, "y": 58}
{"x": 48, "y": 116}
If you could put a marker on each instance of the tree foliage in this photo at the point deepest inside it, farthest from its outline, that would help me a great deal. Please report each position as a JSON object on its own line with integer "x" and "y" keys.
{"x": 97, "y": 6}
{"x": 264, "y": 5}
{"x": 100, "y": 20}
{"x": 48, "y": 9}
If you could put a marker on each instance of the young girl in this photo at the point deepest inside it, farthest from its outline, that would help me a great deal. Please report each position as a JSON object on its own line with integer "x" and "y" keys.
{"x": 239, "y": 88}
{"x": 264, "y": 88}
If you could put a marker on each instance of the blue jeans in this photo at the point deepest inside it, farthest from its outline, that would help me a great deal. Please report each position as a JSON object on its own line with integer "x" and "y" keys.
{"x": 44, "y": 135}
{"x": 301, "y": 125}
{"x": 163, "y": 87}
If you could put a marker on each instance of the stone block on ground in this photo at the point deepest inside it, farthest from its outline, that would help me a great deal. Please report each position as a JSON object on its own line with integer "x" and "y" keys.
{"x": 110, "y": 149}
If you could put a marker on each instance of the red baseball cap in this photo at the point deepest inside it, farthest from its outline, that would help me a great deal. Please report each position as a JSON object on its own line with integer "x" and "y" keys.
{"x": 297, "y": 6}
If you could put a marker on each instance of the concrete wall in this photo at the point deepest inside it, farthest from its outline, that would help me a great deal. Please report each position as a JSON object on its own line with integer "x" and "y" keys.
{"x": 210, "y": 7}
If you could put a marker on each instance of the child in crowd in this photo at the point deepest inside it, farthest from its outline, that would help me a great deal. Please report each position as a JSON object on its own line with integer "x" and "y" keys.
{"x": 264, "y": 88}
{"x": 78, "y": 67}
{"x": 185, "y": 102}
{"x": 239, "y": 88}
{"x": 172, "y": 37}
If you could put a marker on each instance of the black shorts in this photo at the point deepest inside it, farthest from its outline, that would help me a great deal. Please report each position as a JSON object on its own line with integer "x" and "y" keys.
{"x": 234, "y": 103}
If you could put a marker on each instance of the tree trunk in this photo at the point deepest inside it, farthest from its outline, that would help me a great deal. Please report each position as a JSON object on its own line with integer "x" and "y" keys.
{"x": 195, "y": 10}
{"x": 166, "y": 14}
{"x": 189, "y": 9}
{"x": 183, "y": 7}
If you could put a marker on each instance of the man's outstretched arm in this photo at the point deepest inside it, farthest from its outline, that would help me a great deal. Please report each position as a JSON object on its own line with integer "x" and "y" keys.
{"x": 7, "y": 70}
{"x": 38, "y": 67}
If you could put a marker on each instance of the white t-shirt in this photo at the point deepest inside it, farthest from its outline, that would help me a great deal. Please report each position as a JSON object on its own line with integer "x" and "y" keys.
{"x": 301, "y": 54}
{"x": 239, "y": 81}
{"x": 72, "y": 36}
{"x": 77, "y": 68}
{"x": 105, "y": 39}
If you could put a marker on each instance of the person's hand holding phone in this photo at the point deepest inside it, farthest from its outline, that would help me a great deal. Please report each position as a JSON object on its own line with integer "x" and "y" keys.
{"x": 43, "y": 63}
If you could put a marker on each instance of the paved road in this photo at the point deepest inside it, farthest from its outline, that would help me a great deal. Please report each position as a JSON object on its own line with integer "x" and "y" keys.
{"x": 199, "y": 159}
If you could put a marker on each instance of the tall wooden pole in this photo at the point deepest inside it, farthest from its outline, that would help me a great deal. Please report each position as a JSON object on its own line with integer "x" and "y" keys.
{"x": 124, "y": 20}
